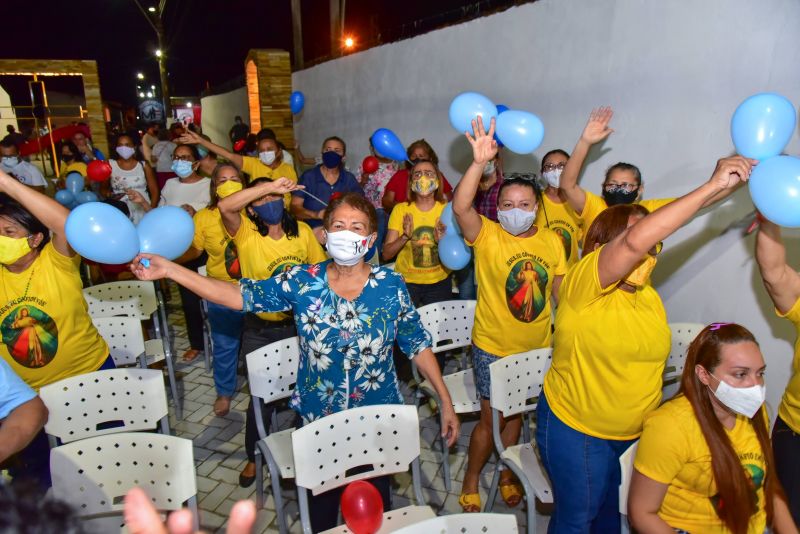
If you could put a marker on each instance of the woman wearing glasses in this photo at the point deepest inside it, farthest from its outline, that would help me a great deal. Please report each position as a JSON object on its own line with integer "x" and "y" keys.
{"x": 519, "y": 266}
{"x": 554, "y": 211}
{"x": 611, "y": 343}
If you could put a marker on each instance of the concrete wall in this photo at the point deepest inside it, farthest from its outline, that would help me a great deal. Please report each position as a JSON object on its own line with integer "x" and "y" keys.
{"x": 218, "y": 114}
{"x": 674, "y": 73}
{"x": 7, "y": 113}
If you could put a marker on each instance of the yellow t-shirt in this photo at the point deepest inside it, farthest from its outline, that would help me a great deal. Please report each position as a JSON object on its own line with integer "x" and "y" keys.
{"x": 256, "y": 169}
{"x": 262, "y": 257}
{"x": 44, "y": 320}
{"x": 609, "y": 353}
{"x": 562, "y": 219}
{"x": 673, "y": 451}
{"x": 515, "y": 279}
{"x": 418, "y": 260}
{"x": 595, "y": 205}
{"x": 75, "y": 166}
{"x": 210, "y": 235}
{"x": 789, "y": 410}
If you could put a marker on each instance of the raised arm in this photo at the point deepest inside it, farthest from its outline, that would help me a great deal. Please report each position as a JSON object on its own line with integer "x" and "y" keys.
{"x": 596, "y": 130}
{"x": 191, "y": 138}
{"x": 484, "y": 148}
{"x": 52, "y": 214}
{"x": 782, "y": 282}
{"x": 231, "y": 206}
{"x": 626, "y": 250}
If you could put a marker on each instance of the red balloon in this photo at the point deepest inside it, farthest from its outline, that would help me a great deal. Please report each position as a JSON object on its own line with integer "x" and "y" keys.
{"x": 98, "y": 171}
{"x": 370, "y": 164}
{"x": 239, "y": 145}
{"x": 336, "y": 195}
{"x": 362, "y": 507}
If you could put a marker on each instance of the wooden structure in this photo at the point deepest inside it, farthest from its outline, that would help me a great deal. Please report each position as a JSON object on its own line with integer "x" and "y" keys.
{"x": 268, "y": 75}
{"x": 87, "y": 69}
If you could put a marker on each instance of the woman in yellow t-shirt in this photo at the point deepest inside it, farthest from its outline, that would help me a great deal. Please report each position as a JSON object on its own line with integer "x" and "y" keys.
{"x": 704, "y": 463}
{"x": 555, "y": 212}
{"x": 518, "y": 267}
{"x": 70, "y": 160}
{"x": 223, "y": 264}
{"x": 47, "y": 334}
{"x": 269, "y": 242}
{"x": 611, "y": 344}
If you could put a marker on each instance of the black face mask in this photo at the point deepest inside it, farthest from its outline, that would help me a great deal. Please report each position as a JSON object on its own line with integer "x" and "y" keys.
{"x": 620, "y": 197}
{"x": 67, "y": 157}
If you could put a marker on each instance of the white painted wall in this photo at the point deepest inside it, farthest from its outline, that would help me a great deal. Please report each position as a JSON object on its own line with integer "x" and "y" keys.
{"x": 7, "y": 113}
{"x": 219, "y": 111}
{"x": 674, "y": 73}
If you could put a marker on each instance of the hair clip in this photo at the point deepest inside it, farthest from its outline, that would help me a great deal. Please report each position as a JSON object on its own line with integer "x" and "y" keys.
{"x": 717, "y": 326}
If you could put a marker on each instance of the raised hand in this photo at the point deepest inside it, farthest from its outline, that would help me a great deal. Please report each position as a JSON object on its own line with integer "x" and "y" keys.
{"x": 408, "y": 225}
{"x": 731, "y": 171}
{"x": 282, "y": 186}
{"x": 189, "y": 138}
{"x": 484, "y": 147}
{"x": 156, "y": 269}
{"x": 597, "y": 127}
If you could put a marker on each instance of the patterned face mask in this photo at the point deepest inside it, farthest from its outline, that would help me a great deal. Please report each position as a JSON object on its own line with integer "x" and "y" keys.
{"x": 424, "y": 185}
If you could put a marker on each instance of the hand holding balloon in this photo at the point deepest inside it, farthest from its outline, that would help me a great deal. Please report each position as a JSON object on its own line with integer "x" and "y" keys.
{"x": 730, "y": 172}
{"x": 150, "y": 267}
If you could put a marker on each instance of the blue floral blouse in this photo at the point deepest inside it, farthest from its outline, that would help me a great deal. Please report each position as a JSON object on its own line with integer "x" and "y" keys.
{"x": 346, "y": 346}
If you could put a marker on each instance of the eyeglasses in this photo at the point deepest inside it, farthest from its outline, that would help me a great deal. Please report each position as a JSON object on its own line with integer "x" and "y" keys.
{"x": 554, "y": 166}
{"x": 181, "y": 158}
{"x": 613, "y": 188}
{"x": 420, "y": 174}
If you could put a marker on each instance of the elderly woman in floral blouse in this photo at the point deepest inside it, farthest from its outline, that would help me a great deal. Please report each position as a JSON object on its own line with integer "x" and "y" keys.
{"x": 348, "y": 316}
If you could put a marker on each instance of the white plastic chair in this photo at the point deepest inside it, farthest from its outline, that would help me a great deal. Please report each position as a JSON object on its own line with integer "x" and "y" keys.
{"x": 142, "y": 300}
{"x": 81, "y": 406}
{"x": 464, "y": 524}
{"x": 682, "y": 336}
{"x": 385, "y": 437}
{"x": 450, "y": 325}
{"x": 207, "y": 344}
{"x": 125, "y": 340}
{"x": 93, "y": 475}
{"x": 271, "y": 374}
{"x": 515, "y": 380}
{"x": 626, "y": 470}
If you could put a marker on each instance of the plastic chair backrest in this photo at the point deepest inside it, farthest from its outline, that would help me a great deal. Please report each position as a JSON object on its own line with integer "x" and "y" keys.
{"x": 124, "y": 338}
{"x": 93, "y": 475}
{"x": 272, "y": 369}
{"x": 682, "y": 336}
{"x": 134, "y": 298}
{"x": 479, "y": 523}
{"x": 449, "y": 323}
{"x": 517, "y": 378}
{"x": 384, "y": 437}
{"x": 626, "y": 470}
{"x": 82, "y": 406}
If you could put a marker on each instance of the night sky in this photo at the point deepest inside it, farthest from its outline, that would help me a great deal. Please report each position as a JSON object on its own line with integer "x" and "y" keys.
{"x": 207, "y": 39}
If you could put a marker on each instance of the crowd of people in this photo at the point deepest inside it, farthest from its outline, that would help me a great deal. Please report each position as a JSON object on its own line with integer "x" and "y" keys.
{"x": 554, "y": 265}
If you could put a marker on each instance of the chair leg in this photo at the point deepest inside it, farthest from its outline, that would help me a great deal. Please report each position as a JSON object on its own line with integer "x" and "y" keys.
{"x": 448, "y": 484}
{"x": 173, "y": 384}
{"x": 259, "y": 478}
{"x": 489, "y": 506}
{"x": 277, "y": 496}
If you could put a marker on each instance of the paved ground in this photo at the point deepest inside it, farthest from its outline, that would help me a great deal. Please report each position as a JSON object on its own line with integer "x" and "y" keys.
{"x": 219, "y": 452}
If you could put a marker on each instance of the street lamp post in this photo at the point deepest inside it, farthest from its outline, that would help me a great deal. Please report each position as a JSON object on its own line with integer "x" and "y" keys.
{"x": 157, "y": 24}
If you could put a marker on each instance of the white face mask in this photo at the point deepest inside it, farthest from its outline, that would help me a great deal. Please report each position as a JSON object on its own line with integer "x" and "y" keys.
{"x": 10, "y": 161}
{"x": 125, "y": 152}
{"x": 553, "y": 177}
{"x": 516, "y": 221}
{"x": 267, "y": 158}
{"x": 489, "y": 169}
{"x": 346, "y": 247}
{"x": 744, "y": 401}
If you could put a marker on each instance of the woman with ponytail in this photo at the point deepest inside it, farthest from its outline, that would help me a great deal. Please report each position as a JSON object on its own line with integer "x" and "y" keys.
{"x": 704, "y": 462}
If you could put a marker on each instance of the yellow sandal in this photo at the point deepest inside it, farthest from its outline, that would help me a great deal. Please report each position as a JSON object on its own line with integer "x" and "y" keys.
{"x": 511, "y": 493}
{"x": 470, "y": 502}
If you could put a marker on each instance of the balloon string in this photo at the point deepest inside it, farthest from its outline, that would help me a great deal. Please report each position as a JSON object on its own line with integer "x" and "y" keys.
{"x": 314, "y": 197}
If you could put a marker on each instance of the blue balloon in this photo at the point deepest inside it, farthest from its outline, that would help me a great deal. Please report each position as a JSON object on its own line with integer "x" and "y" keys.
{"x": 167, "y": 231}
{"x": 388, "y": 145}
{"x": 64, "y": 197}
{"x": 74, "y": 182}
{"x": 86, "y": 196}
{"x": 449, "y": 220}
{"x": 102, "y": 233}
{"x": 520, "y": 131}
{"x": 296, "y": 102}
{"x": 762, "y": 125}
{"x": 500, "y": 108}
{"x": 453, "y": 252}
{"x": 775, "y": 190}
{"x": 468, "y": 106}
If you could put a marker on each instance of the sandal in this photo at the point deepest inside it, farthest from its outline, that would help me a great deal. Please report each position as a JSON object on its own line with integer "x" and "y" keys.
{"x": 470, "y": 502}
{"x": 511, "y": 493}
{"x": 190, "y": 355}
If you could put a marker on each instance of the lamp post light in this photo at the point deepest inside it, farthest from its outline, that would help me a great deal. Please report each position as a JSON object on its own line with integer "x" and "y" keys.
{"x": 154, "y": 18}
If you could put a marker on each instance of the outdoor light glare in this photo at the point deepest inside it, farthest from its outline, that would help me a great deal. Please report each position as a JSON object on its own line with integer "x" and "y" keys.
{"x": 140, "y": 75}
{"x": 151, "y": 9}
{"x": 158, "y": 53}
{"x": 153, "y": 87}
{"x": 349, "y": 42}
{"x": 149, "y": 94}
{"x": 141, "y": 95}
{"x": 188, "y": 104}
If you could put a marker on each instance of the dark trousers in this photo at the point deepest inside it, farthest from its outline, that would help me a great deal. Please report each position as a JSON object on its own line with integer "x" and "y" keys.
{"x": 255, "y": 335}
{"x": 191, "y": 308}
{"x": 324, "y": 508}
{"x": 786, "y": 447}
{"x": 424, "y": 294}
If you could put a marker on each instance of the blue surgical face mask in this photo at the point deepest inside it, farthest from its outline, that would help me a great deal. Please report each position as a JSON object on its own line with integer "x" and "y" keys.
{"x": 182, "y": 168}
{"x": 331, "y": 159}
{"x": 270, "y": 212}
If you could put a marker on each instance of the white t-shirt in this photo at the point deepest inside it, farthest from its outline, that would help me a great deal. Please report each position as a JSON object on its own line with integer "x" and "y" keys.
{"x": 163, "y": 152}
{"x": 25, "y": 172}
{"x": 177, "y": 193}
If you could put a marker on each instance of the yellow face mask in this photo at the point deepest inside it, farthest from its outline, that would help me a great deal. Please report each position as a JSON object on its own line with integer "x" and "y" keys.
{"x": 228, "y": 187}
{"x": 424, "y": 185}
{"x": 640, "y": 275}
{"x": 13, "y": 248}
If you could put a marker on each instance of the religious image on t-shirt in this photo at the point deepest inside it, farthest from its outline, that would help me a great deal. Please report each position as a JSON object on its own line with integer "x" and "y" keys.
{"x": 424, "y": 250}
{"x": 232, "y": 265}
{"x": 566, "y": 239}
{"x": 525, "y": 289}
{"x": 755, "y": 478}
{"x": 30, "y": 335}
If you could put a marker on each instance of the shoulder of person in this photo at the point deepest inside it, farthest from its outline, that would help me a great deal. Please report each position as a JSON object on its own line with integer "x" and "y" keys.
{"x": 676, "y": 413}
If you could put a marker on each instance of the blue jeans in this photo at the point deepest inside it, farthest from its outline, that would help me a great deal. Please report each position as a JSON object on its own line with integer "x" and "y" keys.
{"x": 226, "y": 334}
{"x": 584, "y": 472}
{"x": 383, "y": 221}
